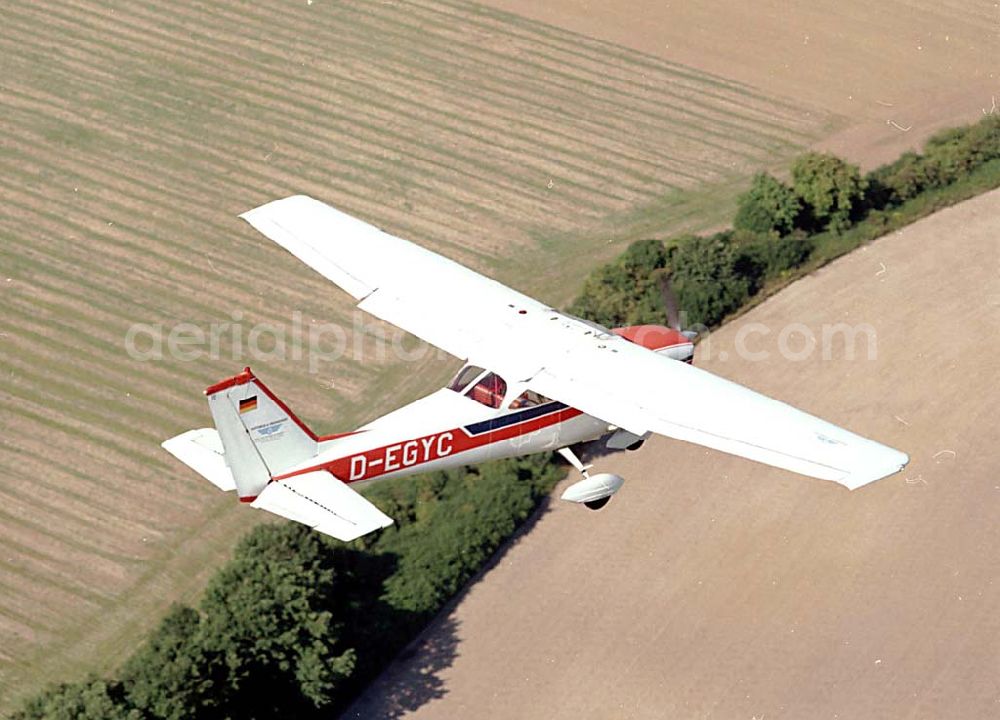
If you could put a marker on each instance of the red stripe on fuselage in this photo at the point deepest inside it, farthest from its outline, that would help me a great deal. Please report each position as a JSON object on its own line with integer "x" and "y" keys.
{"x": 391, "y": 458}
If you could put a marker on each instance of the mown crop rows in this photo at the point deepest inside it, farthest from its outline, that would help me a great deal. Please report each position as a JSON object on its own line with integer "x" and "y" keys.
{"x": 130, "y": 138}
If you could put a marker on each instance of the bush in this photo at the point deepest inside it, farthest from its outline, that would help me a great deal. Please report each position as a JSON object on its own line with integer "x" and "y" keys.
{"x": 478, "y": 512}
{"x": 712, "y": 277}
{"x": 626, "y": 290}
{"x": 766, "y": 257}
{"x": 948, "y": 156}
{"x": 715, "y": 276}
{"x": 769, "y": 206}
{"x": 954, "y": 153}
{"x": 893, "y": 184}
{"x": 88, "y": 700}
{"x": 832, "y": 191}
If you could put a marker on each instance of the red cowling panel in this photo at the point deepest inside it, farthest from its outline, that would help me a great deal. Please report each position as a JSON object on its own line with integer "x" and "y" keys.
{"x": 652, "y": 337}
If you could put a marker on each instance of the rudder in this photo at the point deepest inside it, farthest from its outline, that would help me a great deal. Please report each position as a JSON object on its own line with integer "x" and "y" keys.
{"x": 261, "y": 436}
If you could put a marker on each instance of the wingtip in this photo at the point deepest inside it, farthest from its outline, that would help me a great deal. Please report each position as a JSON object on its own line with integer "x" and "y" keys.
{"x": 879, "y": 472}
{"x": 249, "y": 215}
{"x": 172, "y": 443}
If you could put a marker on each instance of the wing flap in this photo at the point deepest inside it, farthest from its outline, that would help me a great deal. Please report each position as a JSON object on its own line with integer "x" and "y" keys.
{"x": 309, "y": 229}
{"x": 324, "y": 503}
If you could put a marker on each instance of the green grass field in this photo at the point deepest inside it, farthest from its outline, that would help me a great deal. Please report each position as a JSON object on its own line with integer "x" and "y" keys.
{"x": 132, "y": 135}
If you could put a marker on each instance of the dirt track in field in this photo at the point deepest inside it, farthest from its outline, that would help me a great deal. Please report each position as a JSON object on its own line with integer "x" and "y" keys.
{"x": 713, "y": 587}
{"x": 895, "y": 71}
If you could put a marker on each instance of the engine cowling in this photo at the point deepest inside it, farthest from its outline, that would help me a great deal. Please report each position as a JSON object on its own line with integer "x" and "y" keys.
{"x": 660, "y": 339}
{"x": 594, "y": 491}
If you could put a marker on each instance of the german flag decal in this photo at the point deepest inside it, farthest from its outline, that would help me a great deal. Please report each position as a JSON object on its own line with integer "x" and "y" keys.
{"x": 249, "y": 404}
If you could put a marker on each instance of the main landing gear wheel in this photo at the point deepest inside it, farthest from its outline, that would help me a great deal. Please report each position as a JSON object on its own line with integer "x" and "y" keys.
{"x": 598, "y": 504}
{"x": 594, "y": 491}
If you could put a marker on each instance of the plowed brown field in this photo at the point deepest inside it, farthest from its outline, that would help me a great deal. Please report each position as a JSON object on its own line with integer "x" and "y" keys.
{"x": 893, "y": 71}
{"x": 713, "y": 587}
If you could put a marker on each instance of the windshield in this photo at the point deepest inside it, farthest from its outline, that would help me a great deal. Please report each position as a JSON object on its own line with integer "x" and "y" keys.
{"x": 465, "y": 376}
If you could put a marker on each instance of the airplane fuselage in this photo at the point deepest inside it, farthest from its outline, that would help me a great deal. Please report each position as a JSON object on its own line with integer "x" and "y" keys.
{"x": 477, "y": 417}
{"x": 467, "y": 432}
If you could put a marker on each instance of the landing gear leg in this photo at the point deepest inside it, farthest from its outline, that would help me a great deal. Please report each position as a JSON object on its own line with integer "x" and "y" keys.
{"x": 573, "y": 460}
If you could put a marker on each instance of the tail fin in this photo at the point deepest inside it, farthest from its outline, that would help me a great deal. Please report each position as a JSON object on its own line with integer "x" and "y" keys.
{"x": 257, "y": 438}
{"x": 261, "y": 437}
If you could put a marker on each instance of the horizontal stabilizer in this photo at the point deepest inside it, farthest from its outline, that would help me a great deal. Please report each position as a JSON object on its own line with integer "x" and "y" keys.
{"x": 201, "y": 450}
{"x": 324, "y": 503}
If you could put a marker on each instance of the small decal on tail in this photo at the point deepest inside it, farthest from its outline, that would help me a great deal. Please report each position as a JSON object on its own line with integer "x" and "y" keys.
{"x": 269, "y": 431}
{"x": 248, "y": 404}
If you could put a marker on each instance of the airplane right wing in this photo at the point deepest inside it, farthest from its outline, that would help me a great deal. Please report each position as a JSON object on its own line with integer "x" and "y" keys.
{"x": 324, "y": 503}
{"x": 642, "y": 392}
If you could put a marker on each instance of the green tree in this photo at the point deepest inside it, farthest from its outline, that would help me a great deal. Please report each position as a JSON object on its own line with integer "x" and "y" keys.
{"x": 625, "y": 291}
{"x": 269, "y": 616}
{"x": 170, "y": 676}
{"x": 712, "y": 277}
{"x": 89, "y": 700}
{"x": 769, "y": 206}
{"x": 832, "y": 190}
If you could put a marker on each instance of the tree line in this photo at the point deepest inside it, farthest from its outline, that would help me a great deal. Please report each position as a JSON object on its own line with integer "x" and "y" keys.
{"x": 296, "y": 623}
{"x": 827, "y": 208}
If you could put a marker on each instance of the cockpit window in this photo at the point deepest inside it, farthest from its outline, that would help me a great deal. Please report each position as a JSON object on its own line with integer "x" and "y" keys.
{"x": 529, "y": 398}
{"x": 464, "y": 377}
{"x": 489, "y": 391}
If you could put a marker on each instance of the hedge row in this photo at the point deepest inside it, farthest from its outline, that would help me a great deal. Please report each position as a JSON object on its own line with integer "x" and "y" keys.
{"x": 782, "y": 229}
{"x": 296, "y": 623}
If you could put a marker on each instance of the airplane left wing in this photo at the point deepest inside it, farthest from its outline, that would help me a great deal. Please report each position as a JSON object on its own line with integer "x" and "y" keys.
{"x": 430, "y": 296}
{"x": 565, "y": 358}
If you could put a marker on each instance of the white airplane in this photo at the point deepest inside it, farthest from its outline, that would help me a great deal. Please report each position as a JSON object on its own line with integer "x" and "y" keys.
{"x": 536, "y": 380}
